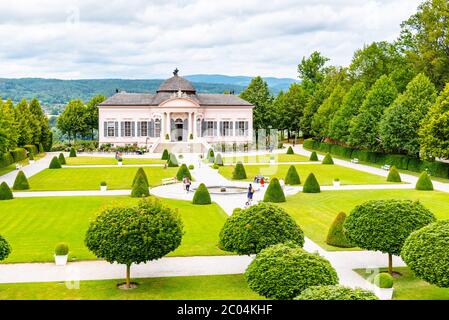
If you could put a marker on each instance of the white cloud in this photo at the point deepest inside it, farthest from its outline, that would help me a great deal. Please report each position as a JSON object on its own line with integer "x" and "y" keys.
{"x": 147, "y": 39}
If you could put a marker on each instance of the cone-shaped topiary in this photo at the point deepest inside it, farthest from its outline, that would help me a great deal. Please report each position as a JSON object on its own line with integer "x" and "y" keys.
{"x": 292, "y": 176}
{"x": 336, "y": 236}
{"x": 172, "y": 161}
{"x": 72, "y": 152}
{"x": 183, "y": 171}
{"x": 393, "y": 175}
{"x": 31, "y": 156}
{"x": 218, "y": 160}
{"x": 62, "y": 159}
{"x": 141, "y": 172}
{"x": 165, "y": 155}
{"x": 201, "y": 195}
{"x": 311, "y": 185}
{"x": 274, "y": 192}
{"x": 239, "y": 172}
{"x": 21, "y": 182}
{"x": 211, "y": 155}
{"x": 424, "y": 183}
{"x": 54, "y": 164}
{"x": 5, "y": 192}
{"x": 328, "y": 159}
{"x": 313, "y": 156}
{"x": 290, "y": 150}
{"x": 140, "y": 187}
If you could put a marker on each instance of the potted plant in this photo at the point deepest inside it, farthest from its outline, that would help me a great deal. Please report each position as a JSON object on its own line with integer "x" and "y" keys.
{"x": 167, "y": 137}
{"x": 103, "y": 186}
{"x": 384, "y": 286}
{"x": 191, "y": 136}
{"x": 336, "y": 182}
{"x": 120, "y": 161}
{"x": 61, "y": 254}
{"x": 31, "y": 158}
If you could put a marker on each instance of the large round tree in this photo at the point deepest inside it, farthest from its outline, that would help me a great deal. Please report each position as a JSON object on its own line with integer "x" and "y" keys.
{"x": 250, "y": 230}
{"x": 426, "y": 253}
{"x": 136, "y": 234}
{"x": 283, "y": 271}
{"x": 383, "y": 225}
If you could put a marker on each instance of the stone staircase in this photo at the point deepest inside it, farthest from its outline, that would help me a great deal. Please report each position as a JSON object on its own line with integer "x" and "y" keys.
{"x": 180, "y": 147}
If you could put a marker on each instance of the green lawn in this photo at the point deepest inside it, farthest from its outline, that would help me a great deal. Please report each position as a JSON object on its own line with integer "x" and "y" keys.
{"x": 265, "y": 158}
{"x": 90, "y": 178}
{"x": 77, "y": 161}
{"x": 221, "y": 287}
{"x": 409, "y": 287}
{"x": 325, "y": 174}
{"x": 33, "y": 226}
{"x": 12, "y": 167}
{"x": 316, "y": 212}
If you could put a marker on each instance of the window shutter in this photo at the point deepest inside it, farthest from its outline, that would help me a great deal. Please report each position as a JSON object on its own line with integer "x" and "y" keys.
{"x": 221, "y": 129}
{"x": 231, "y": 128}
{"x": 133, "y": 129}
{"x": 246, "y": 128}
{"x": 122, "y": 129}
{"x": 215, "y": 129}
{"x": 151, "y": 128}
{"x": 139, "y": 129}
{"x": 203, "y": 128}
{"x": 116, "y": 129}
{"x": 105, "y": 129}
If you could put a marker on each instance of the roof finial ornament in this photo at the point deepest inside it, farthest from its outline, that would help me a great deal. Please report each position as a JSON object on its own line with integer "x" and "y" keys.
{"x": 175, "y": 73}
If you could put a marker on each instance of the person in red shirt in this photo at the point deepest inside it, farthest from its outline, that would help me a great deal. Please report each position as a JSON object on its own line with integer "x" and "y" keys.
{"x": 262, "y": 182}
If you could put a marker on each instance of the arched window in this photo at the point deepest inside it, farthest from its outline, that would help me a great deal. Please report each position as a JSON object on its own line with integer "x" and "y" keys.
{"x": 157, "y": 128}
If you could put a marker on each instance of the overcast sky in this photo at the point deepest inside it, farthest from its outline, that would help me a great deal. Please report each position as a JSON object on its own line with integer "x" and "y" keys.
{"x": 147, "y": 39}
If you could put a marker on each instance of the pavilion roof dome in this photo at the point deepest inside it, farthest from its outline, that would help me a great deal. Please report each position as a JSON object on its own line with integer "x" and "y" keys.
{"x": 176, "y": 83}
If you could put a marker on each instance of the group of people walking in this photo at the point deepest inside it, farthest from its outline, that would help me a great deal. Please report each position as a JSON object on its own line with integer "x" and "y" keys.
{"x": 187, "y": 183}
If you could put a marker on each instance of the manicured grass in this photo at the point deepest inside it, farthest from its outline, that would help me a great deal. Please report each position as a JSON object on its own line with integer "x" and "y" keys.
{"x": 409, "y": 287}
{"x": 220, "y": 287}
{"x": 315, "y": 212}
{"x": 143, "y": 161}
{"x": 325, "y": 174}
{"x": 110, "y": 161}
{"x": 265, "y": 158}
{"x": 12, "y": 167}
{"x": 33, "y": 226}
{"x": 90, "y": 178}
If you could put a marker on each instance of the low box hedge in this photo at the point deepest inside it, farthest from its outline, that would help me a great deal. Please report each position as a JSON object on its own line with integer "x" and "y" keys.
{"x": 436, "y": 168}
{"x": 325, "y": 147}
{"x": 400, "y": 161}
{"x": 309, "y": 144}
{"x": 341, "y": 151}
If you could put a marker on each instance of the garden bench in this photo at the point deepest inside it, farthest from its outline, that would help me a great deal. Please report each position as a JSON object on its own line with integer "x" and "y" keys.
{"x": 386, "y": 167}
{"x": 169, "y": 181}
{"x": 355, "y": 160}
{"x": 18, "y": 166}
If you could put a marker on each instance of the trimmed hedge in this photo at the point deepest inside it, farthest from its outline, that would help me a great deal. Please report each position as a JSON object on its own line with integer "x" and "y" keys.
{"x": 393, "y": 175}
{"x": 55, "y": 164}
{"x": 61, "y": 159}
{"x": 284, "y": 271}
{"x": 165, "y": 155}
{"x": 201, "y": 195}
{"x": 336, "y": 292}
{"x": 172, "y": 162}
{"x": 5, "y": 248}
{"x": 31, "y": 148}
{"x": 5, "y": 192}
{"x": 183, "y": 171}
{"x": 290, "y": 150}
{"x": 274, "y": 192}
{"x": 327, "y": 159}
{"x": 251, "y": 230}
{"x": 218, "y": 160}
{"x": 310, "y": 144}
{"x": 140, "y": 187}
{"x": 397, "y": 160}
{"x": 292, "y": 176}
{"x": 19, "y": 154}
{"x": 140, "y": 173}
{"x": 21, "y": 182}
{"x": 415, "y": 165}
{"x": 364, "y": 155}
{"x": 72, "y": 152}
{"x": 311, "y": 185}
{"x": 341, "y": 151}
{"x": 239, "y": 172}
{"x": 211, "y": 155}
{"x": 336, "y": 236}
{"x": 436, "y": 169}
{"x": 424, "y": 182}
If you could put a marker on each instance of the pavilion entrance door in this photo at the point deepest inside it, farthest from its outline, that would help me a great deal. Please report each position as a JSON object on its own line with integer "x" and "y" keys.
{"x": 179, "y": 130}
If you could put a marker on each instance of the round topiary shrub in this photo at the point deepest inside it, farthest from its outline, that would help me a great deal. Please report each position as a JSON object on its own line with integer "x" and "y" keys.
{"x": 336, "y": 292}
{"x": 393, "y": 175}
{"x": 313, "y": 156}
{"x": 136, "y": 234}
{"x": 61, "y": 159}
{"x": 5, "y": 248}
{"x": 311, "y": 185}
{"x": 327, "y": 159}
{"x": 140, "y": 188}
{"x": 21, "y": 182}
{"x": 165, "y": 155}
{"x": 172, "y": 161}
{"x": 201, "y": 195}
{"x": 62, "y": 249}
{"x": 284, "y": 271}
{"x": 72, "y": 153}
{"x": 239, "y": 172}
{"x": 55, "y": 164}
{"x": 218, "y": 160}
{"x": 140, "y": 172}
{"x": 290, "y": 150}
{"x": 216, "y": 167}
{"x": 248, "y": 231}
{"x": 383, "y": 225}
{"x": 292, "y": 176}
{"x": 5, "y": 192}
{"x": 183, "y": 171}
{"x": 426, "y": 253}
{"x": 274, "y": 192}
{"x": 383, "y": 280}
{"x": 211, "y": 155}
{"x": 424, "y": 182}
{"x": 336, "y": 236}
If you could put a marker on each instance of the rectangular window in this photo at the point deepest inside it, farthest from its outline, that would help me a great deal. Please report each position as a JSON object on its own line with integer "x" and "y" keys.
{"x": 157, "y": 128}
{"x": 209, "y": 128}
{"x": 110, "y": 129}
{"x": 144, "y": 129}
{"x": 241, "y": 128}
{"x": 226, "y": 128}
{"x": 128, "y": 132}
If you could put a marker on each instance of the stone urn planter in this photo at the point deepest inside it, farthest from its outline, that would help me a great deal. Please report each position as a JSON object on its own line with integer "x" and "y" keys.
{"x": 383, "y": 283}
{"x": 120, "y": 163}
{"x": 336, "y": 183}
{"x": 61, "y": 254}
{"x": 103, "y": 186}
{"x": 384, "y": 293}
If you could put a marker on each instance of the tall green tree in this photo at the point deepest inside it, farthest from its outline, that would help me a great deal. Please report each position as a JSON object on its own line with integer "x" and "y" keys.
{"x": 24, "y": 122}
{"x": 37, "y": 116}
{"x": 352, "y": 101}
{"x": 8, "y": 126}
{"x": 312, "y": 70}
{"x": 398, "y": 128}
{"x": 72, "y": 121}
{"x": 259, "y": 95}
{"x": 364, "y": 128}
{"x": 294, "y": 100}
{"x": 434, "y": 132}
{"x": 92, "y": 113}
{"x": 425, "y": 40}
